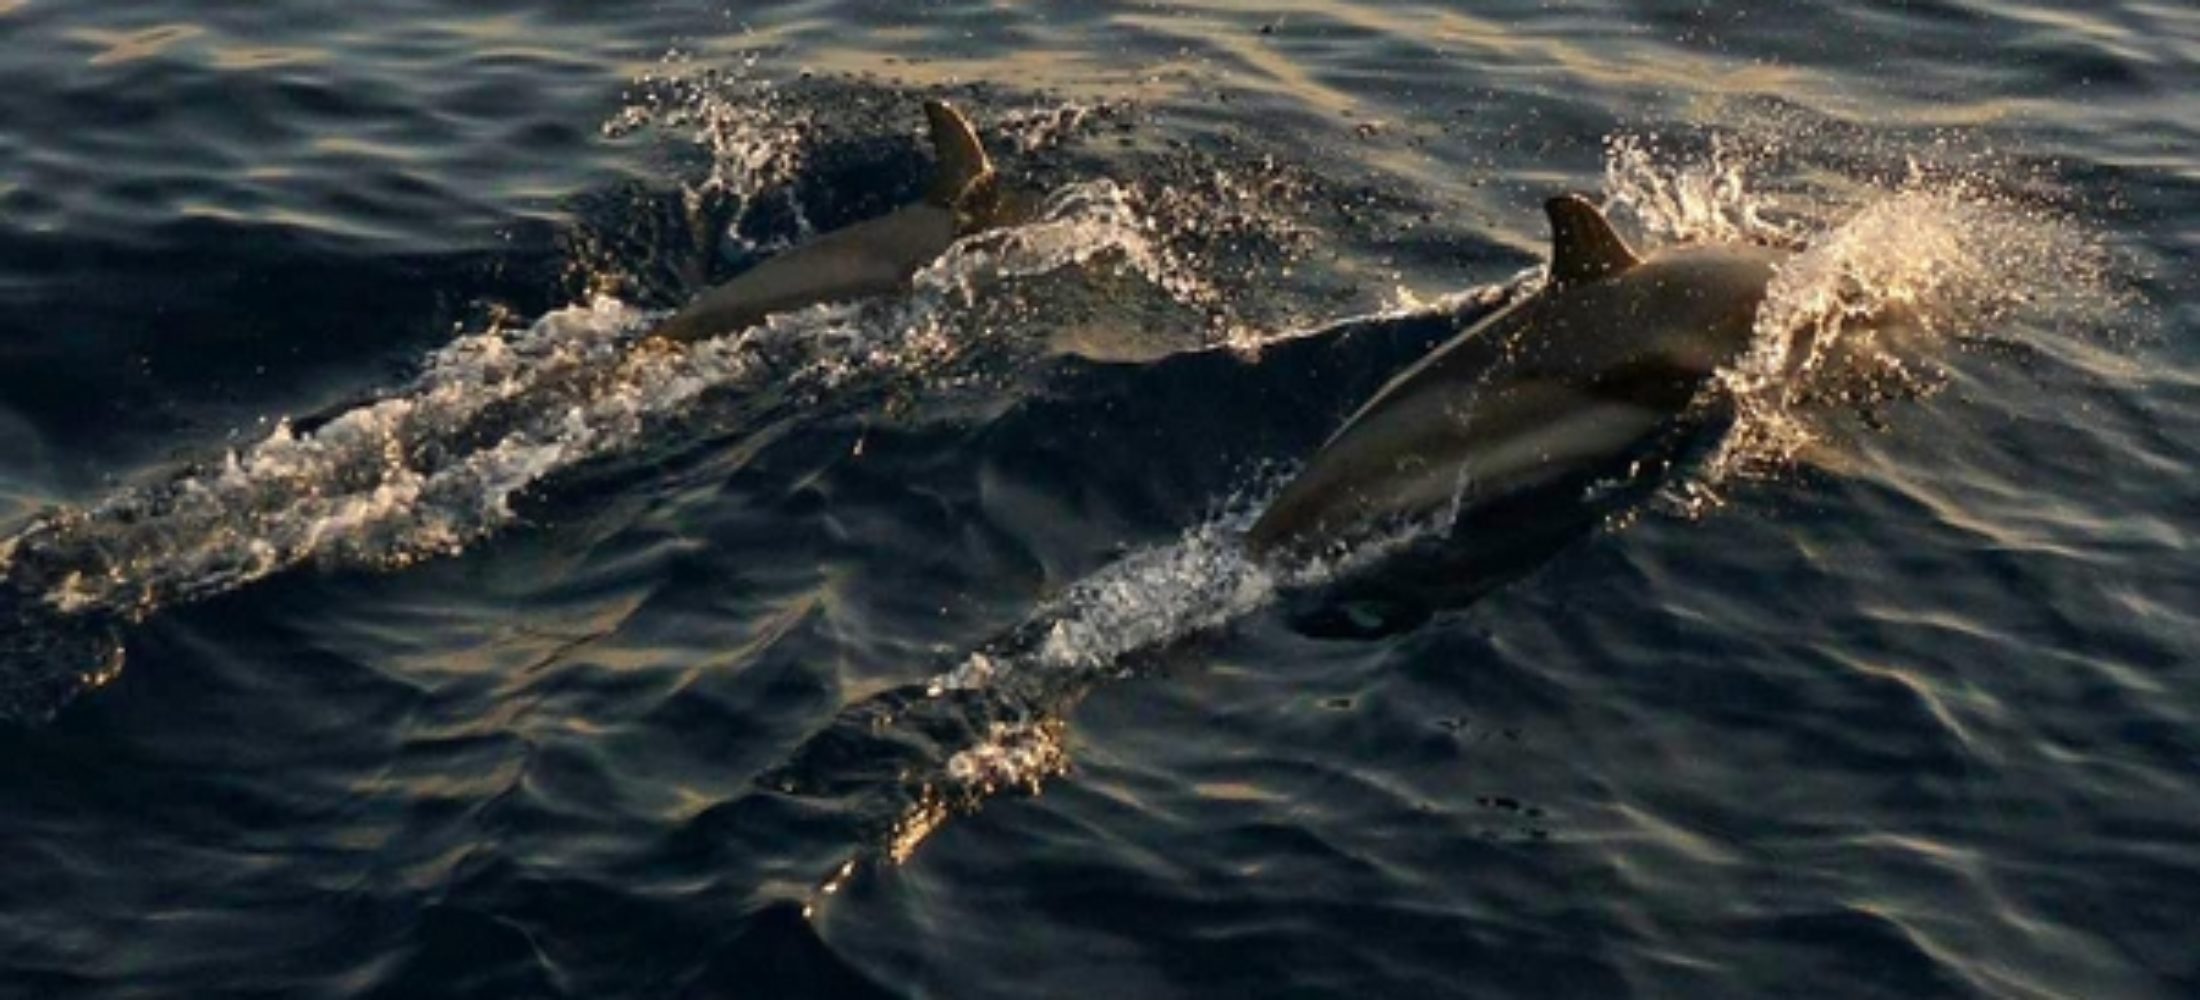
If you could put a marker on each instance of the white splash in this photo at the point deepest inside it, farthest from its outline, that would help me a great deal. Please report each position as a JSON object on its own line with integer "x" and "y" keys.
{"x": 1864, "y": 313}
{"x": 1707, "y": 198}
{"x": 754, "y": 136}
{"x": 1143, "y": 601}
{"x": 1890, "y": 272}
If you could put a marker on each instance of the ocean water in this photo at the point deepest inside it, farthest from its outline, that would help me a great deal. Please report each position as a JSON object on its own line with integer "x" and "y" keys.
{"x": 378, "y": 617}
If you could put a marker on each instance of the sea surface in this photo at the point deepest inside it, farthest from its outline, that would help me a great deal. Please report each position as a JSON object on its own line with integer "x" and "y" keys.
{"x": 381, "y": 617}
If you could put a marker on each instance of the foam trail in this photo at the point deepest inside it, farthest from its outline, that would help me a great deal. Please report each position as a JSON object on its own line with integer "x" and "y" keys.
{"x": 436, "y": 465}
{"x": 907, "y": 761}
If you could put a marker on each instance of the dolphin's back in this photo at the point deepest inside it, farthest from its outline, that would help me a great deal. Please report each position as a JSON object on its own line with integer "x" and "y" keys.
{"x": 1559, "y": 385}
{"x": 869, "y": 258}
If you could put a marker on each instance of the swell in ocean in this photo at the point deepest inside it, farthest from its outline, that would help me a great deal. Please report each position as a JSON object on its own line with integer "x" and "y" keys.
{"x": 437, "y": 464}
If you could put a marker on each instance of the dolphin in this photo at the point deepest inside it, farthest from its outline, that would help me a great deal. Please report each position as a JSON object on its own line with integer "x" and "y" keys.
{"x": 1505, "y": 430}
{"x": 868, "y": 258}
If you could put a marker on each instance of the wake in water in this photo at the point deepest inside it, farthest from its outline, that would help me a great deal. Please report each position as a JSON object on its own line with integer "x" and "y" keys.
{"x": 1883, "y": 280}
{"x": 908, "y": 761}
{"x": 436, "y": 465}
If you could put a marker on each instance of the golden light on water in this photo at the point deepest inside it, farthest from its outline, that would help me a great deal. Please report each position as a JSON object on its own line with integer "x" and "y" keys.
{"x": 130, "y": 46}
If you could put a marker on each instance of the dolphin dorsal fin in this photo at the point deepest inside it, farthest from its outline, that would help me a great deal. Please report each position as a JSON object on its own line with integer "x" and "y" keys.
{"x": 963, "y": 166}
{"x": 1584, "y": 246}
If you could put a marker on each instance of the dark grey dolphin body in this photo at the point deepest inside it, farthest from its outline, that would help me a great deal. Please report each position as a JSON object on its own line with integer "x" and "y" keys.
{"x": 1501, "y": 430}
{"x": 869, "y": 258}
